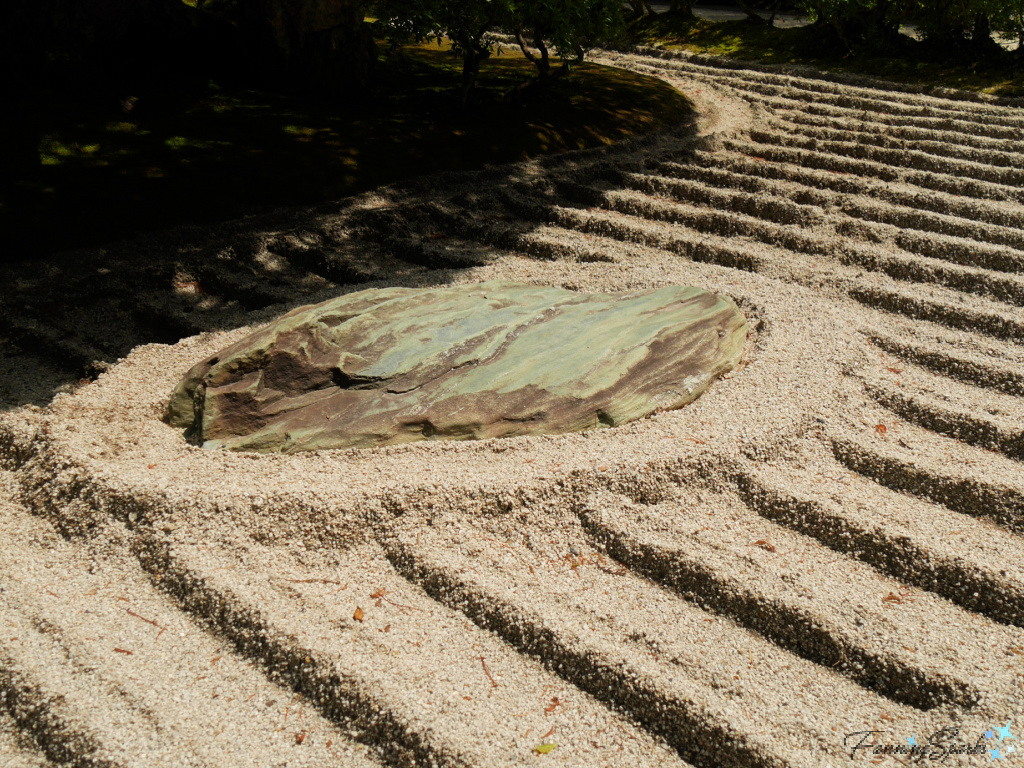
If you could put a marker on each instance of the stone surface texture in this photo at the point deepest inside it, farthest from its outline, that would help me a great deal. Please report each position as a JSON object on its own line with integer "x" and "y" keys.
{"x": 498, "y": 359}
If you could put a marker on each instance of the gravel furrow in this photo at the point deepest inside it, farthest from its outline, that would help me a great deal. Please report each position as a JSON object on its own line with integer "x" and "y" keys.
{"x": 916, "y": 269}
{"x": 605, "y": 630}
{"x": 790, "y": 236}
{"x": 52, "y": 702}
{"x": 965, "y": 126}
{"x": 939, "y": 236}
{"x": 868, "y": 127}
{"x": 967, "y": 211}
{"x": 962, "y": 412}
{"x": 917, "y": 461}
{"x": 945, "y": 307}
{"x": 768, "y": 207}
{"x": 904, "y": 107}
{"x": 945, "y": 149}
{"x": 778, "y": 150}
{"x": 771, "y": 212}
{"x": 16, "y": 749}
{"x": 639, "y": 211}
{"x": 683, "y": 241}
{"x": 897, "y": 534}
{"x": 379, "y": 654}
{"x": 821, "y": 91}
{"x": 774, "y": 581}
{"x": 932, "y": 171}
{"x": 146, "y": 670}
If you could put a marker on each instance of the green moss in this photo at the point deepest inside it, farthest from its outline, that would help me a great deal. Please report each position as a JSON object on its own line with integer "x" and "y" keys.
{"x": 123, "y": 168}
{"x": 54, "y": 151}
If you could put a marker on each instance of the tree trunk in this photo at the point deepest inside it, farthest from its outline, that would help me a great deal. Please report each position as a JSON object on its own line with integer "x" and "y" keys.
{"x": 470, "y": 69}
{"x": 641, "y": 8}
{"x": 683, "y": 8}
{"x": 981, "y": 34}
{"x": 546, "y": 77}
{"x": 541, "y": 62}
{"x": 545, "y": 62}
{"x": 752, "y": 15}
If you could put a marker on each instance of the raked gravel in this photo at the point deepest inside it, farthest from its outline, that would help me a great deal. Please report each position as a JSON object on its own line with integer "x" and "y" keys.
{"x": 826, "y": 542}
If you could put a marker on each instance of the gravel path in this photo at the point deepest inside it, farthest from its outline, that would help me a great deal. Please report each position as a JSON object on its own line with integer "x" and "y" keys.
{"x": 827, "y": 543}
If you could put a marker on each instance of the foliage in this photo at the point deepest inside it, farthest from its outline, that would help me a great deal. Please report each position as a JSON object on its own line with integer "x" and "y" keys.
{"x": 957, "y": 22}
{"x": 859, "y": 24}
{"x": 572, "y": 26}
{"x": 874, "y": 24}
{"x": 466, "y": 24}
{"x": 1008, "y": 19}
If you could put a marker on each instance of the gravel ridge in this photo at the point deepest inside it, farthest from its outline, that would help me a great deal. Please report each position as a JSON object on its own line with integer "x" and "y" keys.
{"x": 827, "y": 542}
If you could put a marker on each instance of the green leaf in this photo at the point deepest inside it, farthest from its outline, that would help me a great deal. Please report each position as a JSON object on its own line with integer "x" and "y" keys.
{"x": 543, "y": 749}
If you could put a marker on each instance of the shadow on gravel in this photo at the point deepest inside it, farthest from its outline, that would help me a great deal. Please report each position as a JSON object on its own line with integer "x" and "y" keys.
{"x": 67, "y": 318}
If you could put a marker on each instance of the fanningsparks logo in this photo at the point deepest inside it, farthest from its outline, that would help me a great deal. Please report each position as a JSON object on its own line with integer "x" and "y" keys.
{"x": 993, "y": 743}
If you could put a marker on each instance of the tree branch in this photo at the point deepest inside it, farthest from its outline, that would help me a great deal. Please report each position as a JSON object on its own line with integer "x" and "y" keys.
{"x": 524, "y": 47}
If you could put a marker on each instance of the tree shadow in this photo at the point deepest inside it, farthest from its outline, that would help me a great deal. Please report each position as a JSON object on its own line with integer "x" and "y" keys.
{"x": 97, "y": 166}
{"x": 65, "y": 319}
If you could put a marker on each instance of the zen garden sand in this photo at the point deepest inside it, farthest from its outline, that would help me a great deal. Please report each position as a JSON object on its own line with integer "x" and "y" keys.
{"x": 827, "y": 542}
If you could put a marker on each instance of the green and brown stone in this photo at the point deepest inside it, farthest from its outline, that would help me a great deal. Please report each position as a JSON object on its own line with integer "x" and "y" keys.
{"x": 498, "y": 359}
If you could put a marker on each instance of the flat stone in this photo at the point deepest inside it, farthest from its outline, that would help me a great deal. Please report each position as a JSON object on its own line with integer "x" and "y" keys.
{"x": 497, "y": 359}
